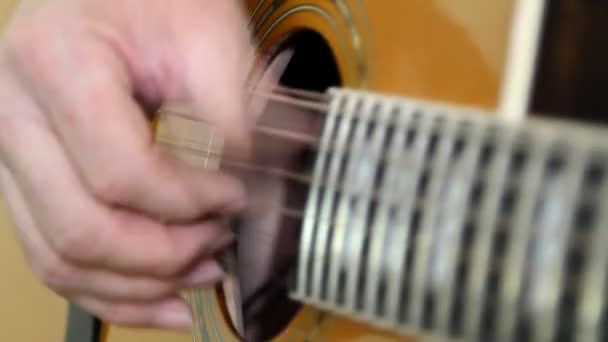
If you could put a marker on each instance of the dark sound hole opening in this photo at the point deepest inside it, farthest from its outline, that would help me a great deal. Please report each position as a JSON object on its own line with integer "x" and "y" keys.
{"x": 313, "y": 66}
{"x": 267, "y": 309}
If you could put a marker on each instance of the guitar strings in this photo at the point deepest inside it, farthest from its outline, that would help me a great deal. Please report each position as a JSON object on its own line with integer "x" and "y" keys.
{"x": 309, "y": 100}
{"x": 303, "y": 178}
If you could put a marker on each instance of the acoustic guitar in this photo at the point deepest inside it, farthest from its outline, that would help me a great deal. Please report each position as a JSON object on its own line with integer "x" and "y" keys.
{"x": 401, "y": 192}
{"x": 424, "y": 49}
{"x": 400, "y": 196}
{"x": 375, "y": 46}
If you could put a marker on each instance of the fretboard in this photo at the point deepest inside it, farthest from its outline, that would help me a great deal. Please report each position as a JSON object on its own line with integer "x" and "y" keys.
{"x": 437, "y": 220}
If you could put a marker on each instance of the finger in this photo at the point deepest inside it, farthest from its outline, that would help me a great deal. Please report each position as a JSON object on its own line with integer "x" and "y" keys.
{"x": 25, "y": 230}
{"x": 118, "y": 287}
{"x": 109, "y": 140}
{"x": 82, "y": 230}
{"x": 169, "y": 313}
{"x": 65, "y": 278}
{"x": 216, "y": 54}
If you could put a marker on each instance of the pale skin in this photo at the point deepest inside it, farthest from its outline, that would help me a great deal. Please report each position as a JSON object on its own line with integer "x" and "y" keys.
{"x": 104, "y": 219}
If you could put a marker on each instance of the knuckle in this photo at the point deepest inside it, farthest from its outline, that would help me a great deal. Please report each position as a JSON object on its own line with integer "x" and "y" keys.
{"x": 110, "y": 185}
{"x": 75, "y": 243}
{"x": 170, "y": 268}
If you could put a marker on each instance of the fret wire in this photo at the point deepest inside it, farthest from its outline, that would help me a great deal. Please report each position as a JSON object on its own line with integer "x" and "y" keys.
{"x": 448, "y": 242}
{"x": 328, "y": 205}
{"x": 310, "y": 220}
{"x": 363, "y": 208}
{"x": 487, "y": 224}
{"x": 425, "y": 237}
{"x": 342, "y": 218}
{"x": 547, "y": 277}
{"x": 381, "y": 221}
{"x": 406, "y": 186}
{"x": 594, "y": 283}
{"x": 520, "y": 230}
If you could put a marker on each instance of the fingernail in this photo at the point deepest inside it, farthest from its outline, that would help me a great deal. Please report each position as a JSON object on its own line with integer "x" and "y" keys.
{"x": 206, "y": 273}
{"x": 176, "y": 315}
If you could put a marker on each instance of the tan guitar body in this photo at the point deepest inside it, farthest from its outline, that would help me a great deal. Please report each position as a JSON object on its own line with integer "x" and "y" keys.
{"x": 452, "y": 51}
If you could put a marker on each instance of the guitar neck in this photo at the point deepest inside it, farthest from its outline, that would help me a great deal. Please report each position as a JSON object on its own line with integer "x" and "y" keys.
{"x": 436, "y": 220}
{"x": 432, "y": 219}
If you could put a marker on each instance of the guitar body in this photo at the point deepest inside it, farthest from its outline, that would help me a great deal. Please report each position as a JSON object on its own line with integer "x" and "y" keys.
{"x": 441, "y": 50}
{"x": 424, "y": 49}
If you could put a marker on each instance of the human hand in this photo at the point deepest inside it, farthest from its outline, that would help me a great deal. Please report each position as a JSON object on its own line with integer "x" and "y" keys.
{"x": 104, "y": 219}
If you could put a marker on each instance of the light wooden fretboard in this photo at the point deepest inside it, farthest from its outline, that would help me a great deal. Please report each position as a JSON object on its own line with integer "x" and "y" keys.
{"x": 432, "y": 219}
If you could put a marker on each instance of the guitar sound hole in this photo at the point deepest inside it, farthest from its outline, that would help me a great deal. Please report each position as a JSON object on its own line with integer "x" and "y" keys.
{"x": 269, "y": 230}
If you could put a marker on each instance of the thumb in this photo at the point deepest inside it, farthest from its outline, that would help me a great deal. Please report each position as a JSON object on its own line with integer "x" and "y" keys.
{"x": 216, "y": 56}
